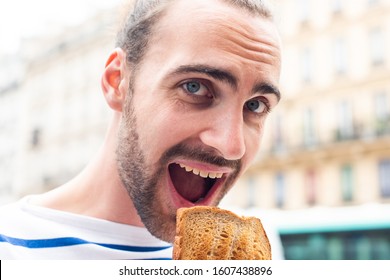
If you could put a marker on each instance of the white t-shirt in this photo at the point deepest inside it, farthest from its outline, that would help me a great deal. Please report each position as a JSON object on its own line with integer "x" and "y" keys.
{"x": 32, "y": 232}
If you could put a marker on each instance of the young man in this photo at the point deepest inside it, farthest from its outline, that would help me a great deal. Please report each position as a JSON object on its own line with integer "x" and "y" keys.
{"x": 191, "y": 84}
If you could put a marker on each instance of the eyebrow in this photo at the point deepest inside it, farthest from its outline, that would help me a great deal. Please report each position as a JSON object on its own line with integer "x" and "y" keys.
{"x": 218, "y": 74}
{"x": 267, "y": 88}
{"x": 226, "y": 76}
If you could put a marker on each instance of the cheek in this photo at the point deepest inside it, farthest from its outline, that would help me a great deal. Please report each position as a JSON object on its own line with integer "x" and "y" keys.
{"x": 160, "y": 128}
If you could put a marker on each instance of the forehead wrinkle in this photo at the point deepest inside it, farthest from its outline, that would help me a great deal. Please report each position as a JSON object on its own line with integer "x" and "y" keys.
{"x": 242, "y": 39}
{"x": 260, "y": 48}
{"x": 244, "y": 32}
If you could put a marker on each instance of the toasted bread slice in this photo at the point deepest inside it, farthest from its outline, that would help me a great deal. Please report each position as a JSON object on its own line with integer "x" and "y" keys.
{"x": 211, "y": 233}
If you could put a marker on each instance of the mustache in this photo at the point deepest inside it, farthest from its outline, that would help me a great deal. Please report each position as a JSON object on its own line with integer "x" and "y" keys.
{"x": 200, "y": 154}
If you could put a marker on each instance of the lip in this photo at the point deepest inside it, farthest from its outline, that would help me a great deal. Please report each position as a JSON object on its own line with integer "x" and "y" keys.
{"x": 179, "y": 201}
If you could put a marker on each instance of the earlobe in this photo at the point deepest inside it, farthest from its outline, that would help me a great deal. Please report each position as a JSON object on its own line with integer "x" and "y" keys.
{"x": 113, "y": 77}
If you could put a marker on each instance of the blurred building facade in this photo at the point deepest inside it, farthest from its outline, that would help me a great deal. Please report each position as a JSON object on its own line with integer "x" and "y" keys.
{"x": 328, "y": 141}
{"x": 11, "y": 71}
{"x": 327, "y": 144}
{"x": 53, "y": 114}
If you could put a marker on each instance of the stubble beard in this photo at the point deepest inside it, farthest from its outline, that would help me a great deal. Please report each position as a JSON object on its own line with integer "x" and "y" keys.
{"x": 139, "y": 181}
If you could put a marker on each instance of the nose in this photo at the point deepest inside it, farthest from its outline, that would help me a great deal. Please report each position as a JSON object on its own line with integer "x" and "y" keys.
{"x": 225, "y": 133}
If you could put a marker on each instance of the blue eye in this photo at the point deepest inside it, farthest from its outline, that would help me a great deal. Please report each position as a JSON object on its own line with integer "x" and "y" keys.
{"x": 196, "y": 89}
{"x": 193, "y": 87}
{"x": 256, "y": 106}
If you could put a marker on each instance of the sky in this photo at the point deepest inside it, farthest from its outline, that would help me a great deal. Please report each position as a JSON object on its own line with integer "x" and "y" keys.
{"x": 27, "y": 18}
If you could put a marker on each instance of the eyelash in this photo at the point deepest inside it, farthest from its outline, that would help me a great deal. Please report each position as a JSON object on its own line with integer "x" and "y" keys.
{"x": 267, "y": 105}
{"x": 210, "y": 90}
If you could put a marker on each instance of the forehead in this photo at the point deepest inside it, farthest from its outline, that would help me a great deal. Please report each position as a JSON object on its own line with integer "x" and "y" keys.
{"x": 202, "y": 31}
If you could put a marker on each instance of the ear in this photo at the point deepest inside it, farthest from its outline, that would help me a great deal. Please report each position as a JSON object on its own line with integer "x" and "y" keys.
{"x": 114, "y": 80}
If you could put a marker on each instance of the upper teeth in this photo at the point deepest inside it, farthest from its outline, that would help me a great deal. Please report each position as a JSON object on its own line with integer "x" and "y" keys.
{"x": 201, "y": 173}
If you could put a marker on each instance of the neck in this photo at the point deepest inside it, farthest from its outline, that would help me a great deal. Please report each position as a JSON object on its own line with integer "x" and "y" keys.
{"x": 97, "y": 191}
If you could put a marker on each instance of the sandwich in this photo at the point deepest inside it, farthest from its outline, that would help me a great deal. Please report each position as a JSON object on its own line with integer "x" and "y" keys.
{"x": 212, "y": 233}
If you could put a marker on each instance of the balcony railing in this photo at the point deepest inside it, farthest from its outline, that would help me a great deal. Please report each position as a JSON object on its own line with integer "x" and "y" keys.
{"x": 356, "y": 133}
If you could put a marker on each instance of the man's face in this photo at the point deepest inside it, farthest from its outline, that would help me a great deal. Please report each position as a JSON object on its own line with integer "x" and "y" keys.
{"x": 196, "y": 114}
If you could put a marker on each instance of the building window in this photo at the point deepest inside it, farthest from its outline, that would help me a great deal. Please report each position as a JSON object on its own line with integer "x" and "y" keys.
{"x": 345, "y": 130}
{"x": 280, "y": 189}
{"x": 251, "y": 192}
{"x": 382, "y": 114}
{"x": 36, "y": 136}
{"x": 381, "y": 107}
{"x": 307, "y": 65}
{"x": 311, "y": 186}
{"x": 347, "y": 182}
{"x": 384, "y": 178}
{"x": 377, "y": 46}
{"x": 373, "y": 2}
{"x": 278, "y": 141}
{"x": 336, "y": 6}
{"x": 309, "y": 135}
{"x": 303, "y": 11}
{"x": 340, "y": 55}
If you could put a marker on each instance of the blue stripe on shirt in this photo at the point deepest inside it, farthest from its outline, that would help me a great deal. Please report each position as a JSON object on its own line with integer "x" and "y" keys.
{"x": 72, "y": 241}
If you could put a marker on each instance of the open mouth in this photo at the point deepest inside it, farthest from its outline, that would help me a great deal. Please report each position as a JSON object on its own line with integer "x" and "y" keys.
{"x": 193, "y": 184}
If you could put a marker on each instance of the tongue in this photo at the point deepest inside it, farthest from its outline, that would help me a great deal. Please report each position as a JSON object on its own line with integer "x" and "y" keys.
{"x": 190, "y": 186}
